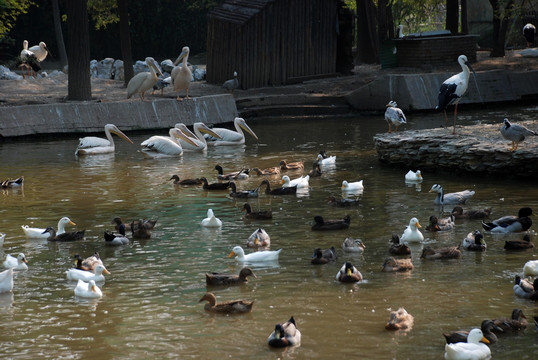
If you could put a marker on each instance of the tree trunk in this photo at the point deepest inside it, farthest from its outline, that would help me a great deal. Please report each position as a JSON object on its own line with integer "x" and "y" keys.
{"x": 452, "y": 16}
{"x": 79, "y": 83}
{"x": 382, "y": 20}
{"x": 125, "y": 39}
{"x": 58, "y": 32}
{"x": 367, "y": 39}
{"x": 464, "y": 21}
{"x": 501, "y": 19}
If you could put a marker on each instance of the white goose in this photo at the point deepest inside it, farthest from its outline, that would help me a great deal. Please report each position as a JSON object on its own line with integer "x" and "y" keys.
{"x": 182, "y": 75}
{"x": 412, "y": 233}
{"x": 157, "y": 146}
{"x": 211, "y": 221}
{"x": 6, "y": 281}
{"x": 16, "y": 263}
{"x": 144, "y": 81}
{"x": 76, "y": 274}
{"x": 88, "y": 290}
{"x": 91, "y": 145}
{"x": 38, "y": 233}
{"x": 258, "y": 256}
{"x": 301, "y": 182}
{"x": 197, "y": 138}
{"x": 230, "y": 137}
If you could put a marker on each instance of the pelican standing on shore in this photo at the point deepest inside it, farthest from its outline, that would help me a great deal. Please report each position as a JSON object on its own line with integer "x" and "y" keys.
{"x": 142, "y": 82}
{"x": 230, "y": 137}
{"x": 196, "y": 138}
{"x": 91, "y": 145}
{"x": 164, "y": 145}
{"x": 182, "y": 75}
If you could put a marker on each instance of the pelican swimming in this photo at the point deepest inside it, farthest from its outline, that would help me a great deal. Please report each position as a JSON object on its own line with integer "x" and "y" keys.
{"x": 197, "y": 138}
{"x": 230, "y": 137}
{"x": 142, "y": 82}
{"x": 182, "y": 75}
{"x": 166, "y": 146}
{"x": 28, "y": 60}
{"x": 40, "y": 51}
{"x": 91, "y": 145}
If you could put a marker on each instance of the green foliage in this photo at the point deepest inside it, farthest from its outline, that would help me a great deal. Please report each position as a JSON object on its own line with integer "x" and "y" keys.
{"x": 103, "y": 12}
{"x": 419, "y": 15}
{"x": 9, "y": 11}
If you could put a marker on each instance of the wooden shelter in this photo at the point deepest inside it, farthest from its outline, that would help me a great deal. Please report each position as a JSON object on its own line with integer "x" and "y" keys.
{"x": 271, "y": 42}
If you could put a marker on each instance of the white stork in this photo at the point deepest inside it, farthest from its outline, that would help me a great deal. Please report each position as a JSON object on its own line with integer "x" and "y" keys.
{"x": 40, "y": 51}
{"x": 28, "y": 61}
{"x": 529, "y": 31}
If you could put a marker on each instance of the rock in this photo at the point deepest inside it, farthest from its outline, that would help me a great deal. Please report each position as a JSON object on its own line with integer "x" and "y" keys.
{"x": 104, "y": 68}
{"x": 167, "y": 65}
{"x": 140, "y": 66}
{"x": 93, "y": 68}
{"x": 198, "y": 74}
{"x": 118, "y": 70}
{"x": 6, "y": 74}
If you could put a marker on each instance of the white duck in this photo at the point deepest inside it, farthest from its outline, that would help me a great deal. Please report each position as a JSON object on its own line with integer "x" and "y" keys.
{"x": 259, "y": 256}
{"x": 211, "y": 221}
{"x": 91, "y": 145}
{"x": 16, "y": 263}
{"x": 182, "y": 75}
{"x": 158, "y": 146}
{"x": 38, "y": 233}
{"x": 88, "y": 290}
{"x": 301, "y": 182}
{"x": 197, "y": 138}
{"x": 474, "y": 349}
{"x": 530, "y": 268}
{"x": 6, "y": 281}
{"x": 230, "y": 137}
{"x": 413, "y": 176}
{"x": 352, "y": 186}
{"x": 331, "y": 160}
{"x": 76, "y": 274}
{"x": 412, "y": 232}
{"x": 455, "y": 198}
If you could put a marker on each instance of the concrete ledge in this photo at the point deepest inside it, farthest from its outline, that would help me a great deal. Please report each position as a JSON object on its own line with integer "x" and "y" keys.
{"x": 86, "y": 117}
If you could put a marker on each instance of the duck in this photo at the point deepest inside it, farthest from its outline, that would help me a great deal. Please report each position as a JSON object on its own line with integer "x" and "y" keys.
{"x": 67, "y": 236}
{"x": 243, "y": 193}
{"x": 214, "y": 186}
{"x": 278, "y": 191}
{"x": 91, "y": 145}
{"x": 119, "y": 225}
{"x": 115, "y": 239}
{"x": 474, "y": 241}
{"x": 437, "y": 224}
{"x": 412, "y": 233}
{"x": 230, "y": 137}
{"x": 525, "y": 289}
{"x": 397, "y": 265}
{"x": 517, "y": 322}
{"x": 316, "y": 170}
{"x": 300, "y": 183}
{"x": 429, "y": 253}
{"x": 236, "y": 175}
{"x": 348, "y": 273}
{"x": 458, "y": 213}
{"x": 400, "y": 320}
{"x": 455, "y": 198}
{"x": 510, "y": 223}
{"x": 177, "y": 181}
{"x": 285, "y": 335}
{"x": 297, "y": 165}
{"x": 353, "y": 245}
{"x": 461, "y": 336}
{"x": 332, "y": 224}
{"x": 12, "y": 183}
{"x": 326, "y": 161}
{"x": 182, "y": 75}
{"x": 6, "y": 281}
{"x": 523, "y": 244}
{"x": 88, "y": 264}
{"x": 16, "y": 263}
{"x": 344, "y": 202}
{"x": 228, "y": 307}
{"x": 211, "y": 221}
{"x": 530, "y": 268}
{"x": 397, "y": 247}
{"x": 229, "y": 279}
{"x": 97, "y": 275}
{"x": 259, "y": 256}
{"x": 474, "y": 349}
{"x": 275, "y": 170}
{"x": 394, "y": 115}
{"x": 259, "y": 239}
{"x": 88, "y": 290}
{"x": 352, "y": 186}
{"x": 413, "y": 176}
{"x": 38, "y": 233}
{"x": 515, "y": 133}
{"x": 2, "y": 237}
{"x": 141, "y": 228}
{"x": 259, "y": 215}
{"x": 323, "y": 256}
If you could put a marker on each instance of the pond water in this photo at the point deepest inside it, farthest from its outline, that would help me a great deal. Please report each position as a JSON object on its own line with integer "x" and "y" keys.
{"x": 150, "y": 305}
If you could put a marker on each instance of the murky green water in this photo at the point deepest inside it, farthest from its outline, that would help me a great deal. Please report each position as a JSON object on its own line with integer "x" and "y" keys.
{"x": 150, "y": 305}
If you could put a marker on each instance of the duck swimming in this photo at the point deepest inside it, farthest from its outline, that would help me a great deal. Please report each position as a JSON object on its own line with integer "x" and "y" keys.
{"x": 518, "y": 322}
{"x": 437, "y": 224}
{"x": 275, "y": 170}
{"x": 211, "y": 221}
{"x": 323, "y": 256}
{"x": 451, "y": 198}
{"x": 115, "y": 239}
{"x": 348, "y": 274}
{"x": 6, "y": 281}
{"x": 38, "y": 233}
{"x": 259, "y": 256}
{"x": 259, "y": 239}
{"x": 397, "y": 265}
{"x": 97, "y": 276}
{"x": 260, "y": 215}
{"x": 236, "y": 175}
{"x": 474, "y": 241}
{"x": 474, "y": 349}
{"x": 510, "y": 223}
{"x": 412, "y": 176}
{"x": 356, "y": 186}
{"x": 214, "y": 186}
{"x": 458, "y": 213}
{"x": 344, "y": 202}
{"x": 88, "y": 264}
{"x": 88, "y": 290}
{"x": 243, "y": 193}
{"x": 228, "y": 307}
{"x": 285, "y": 335}
{"x": 400, "y": 320}
{"x": 297, "y": 165}
{"x": 67, "y": 236}
{"x": 16, "y": 263}
{"x": 523, "y": 288}
{"x": 301, "y": 182}
{"x": 228, "y": 279}
{"x": 530, "y": 268}
{"x": 522, "y": 244}
{"x": 177, "y": 181}
{"x": 12, "y": 183}
{"x": 461, "y": 336}
{"x": 353, "y": 245}
{"x": 429, "y": 253}
{"x": 278, "y": 191}
{"x": 412, "y": 233}
{"x": 331, "y": 224}
{"x": 397, "y": 247}
{"x": 141, "y": 228}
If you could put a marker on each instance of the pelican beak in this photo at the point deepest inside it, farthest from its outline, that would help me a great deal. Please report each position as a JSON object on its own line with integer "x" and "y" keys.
{"x": 106, "y": 272}
{"x": 208, "y": 131}
{"x": 181, "y": 135}
{"x": 418, "y": 225}
{"x": 72, "y": 223}
{"x": 121, "y": 135}
{"x": 156, "y": 68}
{"x": 245, "y": 127}
{"x": 180, "y": 57}
{"x": 232, "y": 254}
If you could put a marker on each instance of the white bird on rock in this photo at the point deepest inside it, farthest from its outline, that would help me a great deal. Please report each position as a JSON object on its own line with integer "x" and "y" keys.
{"x": 515, "y": 133}
{"x": 394, "y": 115}
{"x": 142, "y": 82}
{"x": 182, "y": 75}
{"x": 91, "y": 145}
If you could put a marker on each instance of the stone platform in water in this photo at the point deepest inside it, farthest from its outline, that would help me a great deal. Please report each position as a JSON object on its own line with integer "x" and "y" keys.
{"x": 476, "y": 149}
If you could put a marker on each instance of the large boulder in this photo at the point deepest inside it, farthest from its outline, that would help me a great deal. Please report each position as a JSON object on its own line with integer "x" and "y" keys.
{"x": 6, "y": 74}
{"x": 104, "y": 68}
{"x": 167, "y": 65}
{"x": 118, "y": 70}
{"x": 93, "y": 68}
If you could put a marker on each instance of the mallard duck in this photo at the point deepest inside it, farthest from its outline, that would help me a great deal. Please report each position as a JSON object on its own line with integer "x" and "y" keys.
{"x": 262, "y": 214}
{"x": 429, "y": 253}
{"x": 348, "y": 273}
{"x": 461, "y": 336}
{"x": 119, "y": 225}
{"x": 141, "y": 228}
{"x": 353, "y": 245}
{"x": 454, "y": 198}
{"x": 278, "y": 191}
{"x": 88, "y": 290}
{"x": 412, "y": 233}
{"x": 97, "y": 275}
{"x": 6, "y": 281}
{"x": 515, "y": 133}
{"x": 523, "y": 288}
{"x": 332, "y": 224}
{"x": 38, "y": 233}
{"x": 523, "y": 244}
{"x": 394, "y": 115}
{"x": 115, "y": 239}
{"x": 400, "y": 320}
{"x": 243, "y": 193}
{"x": 397, "y": 247}
{"x": 214, "y": 186}
{"x": 297, "y": 165}
{"x": 285, "y": 334}
{"x": 412, "y": 176}
{"x": 474, "y": 241}
{"x": 67, "y": 236}
{"x": 352, "y": 186}
{"x": 12, "y": 183}
{"x": 236, "y": 175}
{"x": 530, "y": 268}
{"x": 301, "y": 182}
{"x": 228, "y": 307}
{"x": 329, "y": 160}
{"x": 323, "y": 256}
{"x": 316, "y": 170}
{"x": 211, "y": 221}
{"x": 177, "y": 181}
{"x": 228, "y": 279}
{"x": 275, "y": 170}
{"x": 16, "y": 263}
{"x": 518, "y": 322}
{"x": 510, "y": 223}
{"x": 458, "y": 213}
{"x": 437, "y": 224}
{"x": 88, "y": 264}
{"x": 473, "y": 349}
{"x": 397, "y": 265}
{"x": 344, "y": 202}
{"x": 259, "y": 256}
{"x": 259, "y": 238}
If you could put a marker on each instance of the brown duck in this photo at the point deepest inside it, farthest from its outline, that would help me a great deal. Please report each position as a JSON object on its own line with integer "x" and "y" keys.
{"x": 228, "y": 307}
{"x": 228, "y": 279}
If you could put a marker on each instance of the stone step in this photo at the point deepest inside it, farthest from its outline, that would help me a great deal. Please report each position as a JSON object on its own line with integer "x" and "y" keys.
{"x": 289, "y": 99}
{"x": 295, "y": 110}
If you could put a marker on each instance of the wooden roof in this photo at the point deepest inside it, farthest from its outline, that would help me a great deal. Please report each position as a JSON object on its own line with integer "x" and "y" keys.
{"x": 238, "y": 11}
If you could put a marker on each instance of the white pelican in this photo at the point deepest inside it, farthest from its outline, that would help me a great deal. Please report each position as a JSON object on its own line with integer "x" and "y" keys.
{"x": 230, "y": 137}
{"x": 529, "y": 30}
{"x": 394, "y": 115}
{"x": 164, "y": 145}
{"x": 182, "y": 75}
{"x": 142, "y": 82}
{"x": 40, "y": 51}
{"x": 28, "y": 60}
{"x": 38, "y": 233}
{"x": 91, "y": 145}
{"x": 515, "y": 133}
{"x": 197, "y": 137}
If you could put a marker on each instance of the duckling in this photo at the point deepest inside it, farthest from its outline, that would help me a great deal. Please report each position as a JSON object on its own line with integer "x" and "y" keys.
{"x": 243, "y": 193}
{"x": 236, "y": 175}
{"x": 9, "y": 183}
{"x": 429, "y": 253}
{"x": 397, "y": 247}
{"x": 530, "y": 268}
{"x": 437, "y": 224}
{"x": 66, "y": 236}
{"x": 455, "y": 198}
{"x": 474, "y": 241}
{"x": 214, "y": 186}
{"x": 316, "y": 170}
{"x": 412, "y": 232}
{"x": 260, "y": 215}
{"x": 259, "y": 238}
{"x": 344, "y": 202}
{"x": 115, "y": 239}
{"x": 510, "y": 223}
{"x": 523, "y": 244}
{"x": 88, "y": 264}
{"x": 397, "y": 265}
{"x": 211, "y": 221}
{"x": 285, "y": 334}
{"x": 278, "y": 191}
{"x": 353, "y": 245}
{"x": 323, "y": 256}
{"x": 298, "y": 165}
{"x": 332, "y": 224}
{"x": 523, "y": 288}
{"x": 177, "y": 181}
{"x": 275, "y": 170}
{"x": 458, "y": 213}
{"x": 141, "y": 229}
{"x": 400, "y": 320}
{"x": 461, "y": 336}
{"x": 475, "y": 348}
{"x": 518, "y": 322}
{"x": 228, "y": 307}
{"x": 16, "y": 263}
{"x": 348, "y": 274}
{"x": 412, "y": 176}
{"x": 228, "y": 279}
